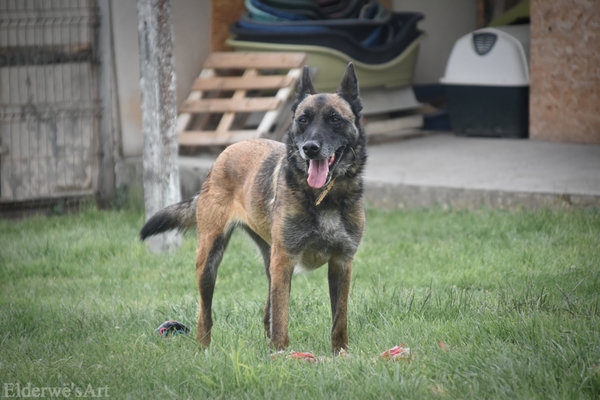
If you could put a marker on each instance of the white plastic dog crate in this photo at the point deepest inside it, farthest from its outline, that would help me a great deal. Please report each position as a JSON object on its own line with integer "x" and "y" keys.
{"x": 487, "y": 82}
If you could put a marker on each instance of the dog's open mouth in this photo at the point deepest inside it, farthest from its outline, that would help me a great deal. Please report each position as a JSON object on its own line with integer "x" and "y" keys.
{"x": 320, "y": 171}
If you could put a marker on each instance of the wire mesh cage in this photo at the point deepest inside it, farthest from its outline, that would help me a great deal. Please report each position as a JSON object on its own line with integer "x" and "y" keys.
{"x": 48, "y": 99}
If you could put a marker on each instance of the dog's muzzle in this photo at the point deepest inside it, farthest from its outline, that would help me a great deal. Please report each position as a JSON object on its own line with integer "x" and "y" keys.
{"x": 320, "y": 168}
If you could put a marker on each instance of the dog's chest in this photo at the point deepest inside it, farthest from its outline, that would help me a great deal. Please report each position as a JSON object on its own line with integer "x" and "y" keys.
{"x": 315, "y": 240}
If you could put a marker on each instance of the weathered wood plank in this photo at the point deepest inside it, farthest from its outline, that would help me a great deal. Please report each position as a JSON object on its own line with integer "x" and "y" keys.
{"x": 242, "y": 83}
{"x": 211, "y": 138}
{"x": 235, "y": 105}
{"x": 387, "y": 126}
{"x": 259, "y": 60}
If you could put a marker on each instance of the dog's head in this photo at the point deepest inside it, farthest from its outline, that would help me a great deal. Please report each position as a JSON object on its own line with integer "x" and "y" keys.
{"x": 326, "y": 140}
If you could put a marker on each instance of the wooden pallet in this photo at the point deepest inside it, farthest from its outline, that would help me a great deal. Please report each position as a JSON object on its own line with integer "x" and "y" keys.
{"x": 391, "y": 114}
{"x": 239, "y": 96}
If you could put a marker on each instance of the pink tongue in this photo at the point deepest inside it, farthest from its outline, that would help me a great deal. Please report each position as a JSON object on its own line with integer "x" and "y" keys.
{"x": 317, "y": 173}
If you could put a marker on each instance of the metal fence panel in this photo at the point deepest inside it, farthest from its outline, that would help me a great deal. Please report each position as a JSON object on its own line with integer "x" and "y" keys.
{"x": 48, "y": 99}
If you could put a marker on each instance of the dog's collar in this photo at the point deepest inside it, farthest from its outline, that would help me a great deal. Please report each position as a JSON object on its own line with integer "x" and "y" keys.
{"x": 324, "y": 192}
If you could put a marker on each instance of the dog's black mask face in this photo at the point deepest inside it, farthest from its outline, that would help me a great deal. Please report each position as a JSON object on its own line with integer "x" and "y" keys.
{"x": 325, "y": 140}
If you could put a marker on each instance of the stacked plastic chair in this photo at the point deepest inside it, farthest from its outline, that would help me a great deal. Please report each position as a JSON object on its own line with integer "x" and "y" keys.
{"x": 383, "y": 45}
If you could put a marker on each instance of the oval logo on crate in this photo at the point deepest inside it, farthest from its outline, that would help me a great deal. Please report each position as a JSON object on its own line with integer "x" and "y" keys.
{"x": 484, "y": 42}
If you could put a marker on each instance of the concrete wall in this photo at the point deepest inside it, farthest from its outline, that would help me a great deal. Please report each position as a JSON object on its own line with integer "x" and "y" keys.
{"x": 445, "y": 21}
{"x": 565, "y": 71}
{"x": 191, "y": 23}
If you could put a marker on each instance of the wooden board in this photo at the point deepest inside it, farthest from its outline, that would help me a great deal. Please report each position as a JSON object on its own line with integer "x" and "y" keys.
{"x": 242, "y": 83}
{"x": 230, "y": 105}
{"x": 231, "y": 87}
{"x": 391, "y": 114}
{"x": 255, "y": 60}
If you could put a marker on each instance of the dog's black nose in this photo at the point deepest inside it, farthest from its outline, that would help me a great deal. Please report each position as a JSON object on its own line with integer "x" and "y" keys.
{"x": 311, "y": 148}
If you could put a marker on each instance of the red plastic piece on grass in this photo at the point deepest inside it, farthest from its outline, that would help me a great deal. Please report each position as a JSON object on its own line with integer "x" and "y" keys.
{"x": 396, "y": 353}
{"x": 296, "y": 355}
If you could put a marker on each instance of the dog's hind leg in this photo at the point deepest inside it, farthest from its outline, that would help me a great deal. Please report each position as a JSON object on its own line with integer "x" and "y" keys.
{"x": 339, "y": 275}
{"x": 265, "y": 250}
{"x": 210, "y": 253}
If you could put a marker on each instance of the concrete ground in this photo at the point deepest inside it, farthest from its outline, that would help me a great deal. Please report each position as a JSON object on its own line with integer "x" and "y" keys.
{"x": 445, "y": 170}
{"x": 469, "y": 172}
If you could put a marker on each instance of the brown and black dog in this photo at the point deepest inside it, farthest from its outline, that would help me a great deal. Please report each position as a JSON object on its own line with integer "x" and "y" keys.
{"x": 300, "y": 202}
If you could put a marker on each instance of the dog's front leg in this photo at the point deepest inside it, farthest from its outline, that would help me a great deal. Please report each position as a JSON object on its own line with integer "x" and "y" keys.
{"x": 281, "y": 270}
{"x": 339, "y": 275}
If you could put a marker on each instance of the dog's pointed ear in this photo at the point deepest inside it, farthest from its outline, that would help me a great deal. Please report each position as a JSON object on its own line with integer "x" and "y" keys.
{"x": 348, "y": 89}
{"x": 305, "y": 86}
{"x": 349, "y": 85}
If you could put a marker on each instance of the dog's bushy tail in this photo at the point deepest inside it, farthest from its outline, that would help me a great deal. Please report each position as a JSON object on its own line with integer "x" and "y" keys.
{"x": 181, "y": 216}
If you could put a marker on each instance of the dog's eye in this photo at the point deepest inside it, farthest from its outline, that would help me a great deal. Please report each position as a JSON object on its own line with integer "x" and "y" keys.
{"x": 334, "y": 118}
{"x": 302, "y": 119}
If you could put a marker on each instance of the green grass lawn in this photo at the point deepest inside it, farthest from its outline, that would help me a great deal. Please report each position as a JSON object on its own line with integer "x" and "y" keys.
{"x": 513, "y": 296}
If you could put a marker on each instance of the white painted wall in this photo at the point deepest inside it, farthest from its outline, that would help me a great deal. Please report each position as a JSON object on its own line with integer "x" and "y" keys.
{"x": 445, "y": 21}
{"x": 191, "y": 27}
